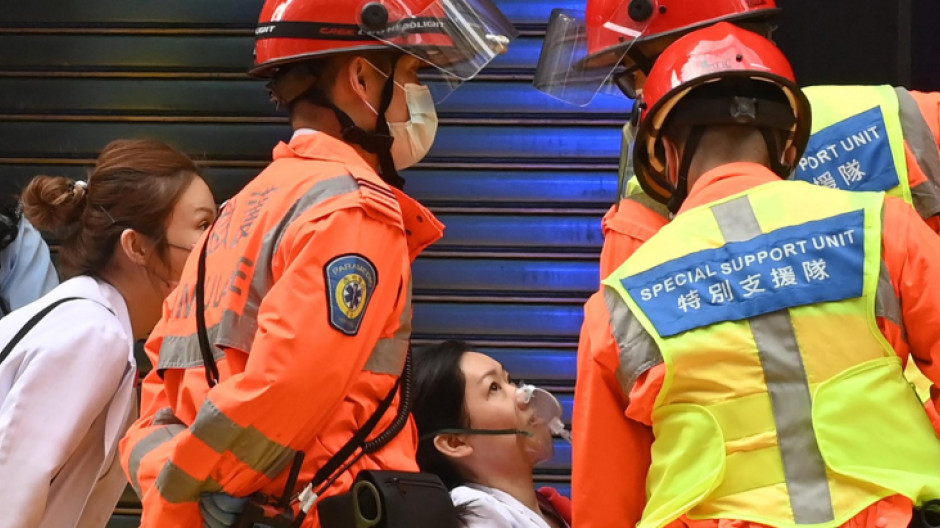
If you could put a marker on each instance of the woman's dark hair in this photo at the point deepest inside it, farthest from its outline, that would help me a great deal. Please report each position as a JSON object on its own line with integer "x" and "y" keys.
{"x": 135, "y": 184}
{"x": 439, "y": 404}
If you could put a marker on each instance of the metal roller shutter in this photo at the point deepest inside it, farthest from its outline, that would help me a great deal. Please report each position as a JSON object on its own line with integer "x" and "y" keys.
{"x": 520, "y": 179}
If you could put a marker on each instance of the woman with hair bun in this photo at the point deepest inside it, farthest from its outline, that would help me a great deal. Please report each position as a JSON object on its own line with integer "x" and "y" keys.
{"x": 67, "y": 368}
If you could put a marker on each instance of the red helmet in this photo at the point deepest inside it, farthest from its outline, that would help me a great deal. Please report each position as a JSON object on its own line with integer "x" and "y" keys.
{"x": 456, "y": 36}
{"x": 749, "y": 82}
{"x": 659, "y": 18}
{"x": 622, "y": 38}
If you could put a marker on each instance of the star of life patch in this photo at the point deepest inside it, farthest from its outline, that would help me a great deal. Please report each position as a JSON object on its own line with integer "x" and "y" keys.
{"x": 350, "y": 282}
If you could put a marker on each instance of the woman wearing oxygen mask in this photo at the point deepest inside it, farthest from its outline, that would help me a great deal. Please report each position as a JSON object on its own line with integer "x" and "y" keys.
{"x": 67, "y": 368}
{"x": 483, "y": 435}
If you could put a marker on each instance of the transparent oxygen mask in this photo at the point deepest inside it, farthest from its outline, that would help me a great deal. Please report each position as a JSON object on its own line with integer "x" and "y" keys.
{"x": 545, "y": 407}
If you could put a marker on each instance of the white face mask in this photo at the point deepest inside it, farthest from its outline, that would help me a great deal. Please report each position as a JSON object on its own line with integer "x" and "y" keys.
{"x": 413, "y": 138}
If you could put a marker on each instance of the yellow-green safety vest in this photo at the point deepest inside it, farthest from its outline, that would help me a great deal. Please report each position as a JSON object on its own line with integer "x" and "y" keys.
{"x": 858, "y": 139}
{"x": 782, "y": 402}
{"x": 857, "y": 143}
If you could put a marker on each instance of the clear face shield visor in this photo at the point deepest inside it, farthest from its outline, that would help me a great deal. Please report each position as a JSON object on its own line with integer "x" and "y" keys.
{"x": 578, "y": 62}
{"x": 456, "y": 38}
{"x": 625, "y": 170}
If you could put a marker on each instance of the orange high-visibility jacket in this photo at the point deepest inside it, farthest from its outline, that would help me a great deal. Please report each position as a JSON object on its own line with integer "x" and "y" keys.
{"x": 308, "y": 294}
{"x": 626, "y": 226}
{"x": 612, "y": 445}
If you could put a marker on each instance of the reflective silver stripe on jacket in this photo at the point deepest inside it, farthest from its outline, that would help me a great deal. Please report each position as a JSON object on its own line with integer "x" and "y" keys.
{"x": 786, "y": 379}
{"x": 238, "y": 331}
{"x": 638, "y": 350}
{"x": 222, "y": 434}
{"x": 252, "y": 447}
{"x": 887, "y": 303}
{"x": 920, "y": 139}
{"x": 177, "y": 486}
{"x": 388, "y": 356}
{"x": 145, "y": 446}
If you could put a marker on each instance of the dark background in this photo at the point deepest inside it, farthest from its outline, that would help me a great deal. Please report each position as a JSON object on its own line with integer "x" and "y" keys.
{"x": 521, "y": 180}
{"x": 863, "y": 41}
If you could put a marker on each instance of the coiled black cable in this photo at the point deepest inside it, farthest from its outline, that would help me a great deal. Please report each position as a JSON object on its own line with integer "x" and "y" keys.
{"x": 406, "y": 397}
{"x": 406, "y": 400}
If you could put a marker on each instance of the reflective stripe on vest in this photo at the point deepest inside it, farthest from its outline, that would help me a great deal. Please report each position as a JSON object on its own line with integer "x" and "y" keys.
{"x": 857, "y": 142}
{"x": 638, "y": 352}
{"x": 777, "y": 379}
{"x": 785, "y": 375}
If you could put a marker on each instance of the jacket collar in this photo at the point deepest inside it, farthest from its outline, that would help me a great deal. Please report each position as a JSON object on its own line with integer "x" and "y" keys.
{"x": 726, "y": 180}
{"x": 422, "y": 228}
{"x": 313, "y": 144}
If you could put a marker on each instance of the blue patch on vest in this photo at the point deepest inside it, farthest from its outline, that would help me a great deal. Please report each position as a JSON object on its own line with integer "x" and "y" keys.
{"x": 350, "y": 283}
{"x": 816, "y": 262}
{"x": 853, "y": 155}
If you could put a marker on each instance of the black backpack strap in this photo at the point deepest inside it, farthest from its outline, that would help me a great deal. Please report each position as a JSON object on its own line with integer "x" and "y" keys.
{"x": 202, "y": 333}
{"x": 358, "y": 439}
{"x": 33, "y": 321}
{"x": 343, "y": 459}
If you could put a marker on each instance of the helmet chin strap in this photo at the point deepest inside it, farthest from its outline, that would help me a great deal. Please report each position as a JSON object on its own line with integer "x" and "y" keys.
{"x": 386, "y": 163}
{"x": 682, "y": 182}
{"x": 681, "y": 191}
{"x": 779, "y": 168}
{"x": 378, "y": 142}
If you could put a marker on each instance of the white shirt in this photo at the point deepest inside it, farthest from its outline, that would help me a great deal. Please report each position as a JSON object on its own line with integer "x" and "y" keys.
{"x": 492, "y": 508}
{"x": 66, "y": 399}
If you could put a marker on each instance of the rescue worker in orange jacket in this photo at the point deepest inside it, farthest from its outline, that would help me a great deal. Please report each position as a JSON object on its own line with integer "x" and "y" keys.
{"x": 307, "y": 277}
{"x": 744, "y": 365}
{"x": 627, "y": 36}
